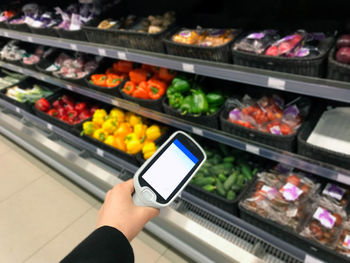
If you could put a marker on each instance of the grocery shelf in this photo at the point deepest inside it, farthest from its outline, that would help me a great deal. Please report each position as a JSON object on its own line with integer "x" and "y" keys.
{"x": 197, "y": 232}
{"x": 319, "y": 168}
{"x": 317, "y": 87}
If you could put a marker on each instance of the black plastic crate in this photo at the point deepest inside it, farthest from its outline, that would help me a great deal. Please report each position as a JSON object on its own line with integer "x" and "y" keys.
{"x": 314, "y": 66}
{"x": 49, "y": 31}
{"x": 211, "y": 121}
{"x": 219, "y": 53}
{"x": 4, "y": 24}
{"x": 18, "y": 27}
{"x": 28, "y": 83}
{"x": 318, "y": 153}
{"x": 72, "y": 34}
{"x": 337, "y": 70}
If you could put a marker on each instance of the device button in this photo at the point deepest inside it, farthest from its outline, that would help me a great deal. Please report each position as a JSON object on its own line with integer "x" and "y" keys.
{"x": 148, "y": 194}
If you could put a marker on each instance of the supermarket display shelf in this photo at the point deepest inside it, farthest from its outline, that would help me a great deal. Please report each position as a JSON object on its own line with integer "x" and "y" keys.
{"x": 201, "y": 234}
{"x": 322, "y": 169}
{"x": 317, "y": 87}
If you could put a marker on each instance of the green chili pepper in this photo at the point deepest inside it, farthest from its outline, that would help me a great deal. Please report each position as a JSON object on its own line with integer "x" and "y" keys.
{"x": 215, "y": 98}
{"x": 200, "y": 103}
{"x": 180, "y": 85}
{"x": 186, "y": 104}
{"x": 175, "y": 100}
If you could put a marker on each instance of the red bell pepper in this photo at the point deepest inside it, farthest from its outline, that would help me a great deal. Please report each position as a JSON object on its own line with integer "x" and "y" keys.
{"x": 53, "y": 112}
{"x": 156, "y": 89}
{"x": 79, "y": 107}
{"x": 72, "y": 114}
{"x": 123, "y": 66}
{"x": 129, "y": 88}
{"x": 68, "y": 100}
{"x": 57, "y": 104}
{"x": 138, "y": 75}
{"x": 85, "y": 114}
{"x": 166, "y": 74}
{"x": 42, "y": 105}
{"x": 150, "y": 68}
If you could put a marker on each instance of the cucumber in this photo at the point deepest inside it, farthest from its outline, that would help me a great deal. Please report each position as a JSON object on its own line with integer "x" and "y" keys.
{"x": 230, "y": 181}
{"x": 254, "y": 172}
{"x": 209, "y": 187}
{"x": 220, "y": 188}
{"x": 231, "y": 195}
{"x": 237, "y": 187}
{"x": 229, "y": 159}
{"x": 204, "y": 181}
{"x": 240, "y": 179}
{"x": 222, "y": 177}
{"x": 246, "y": 171}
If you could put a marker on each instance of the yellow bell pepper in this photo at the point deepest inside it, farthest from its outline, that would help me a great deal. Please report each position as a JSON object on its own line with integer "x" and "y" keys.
{"x": 100, "y": 134}
{"x": 88, "y": 128}
{"x": 148, "y": 149}
{"x": 109, "y": 140}
{"x": 133, "y": 143}
{"x": 140, "y": 130}
{"x": 110, "y": 125}
{"x": 128, "y": 116}
{"x": 99, "y": 117}
{"x": 153, "y": 133}
{"x": 119, "y": 143}
{"x": 135, "y": 119}
{"x": 117, "y": 114}
{"x": 123, "y": 130}
{"x": 148, "y": 155}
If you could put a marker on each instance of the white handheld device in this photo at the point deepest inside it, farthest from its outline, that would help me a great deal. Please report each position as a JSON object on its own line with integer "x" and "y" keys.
{"x": 163, "y": 176}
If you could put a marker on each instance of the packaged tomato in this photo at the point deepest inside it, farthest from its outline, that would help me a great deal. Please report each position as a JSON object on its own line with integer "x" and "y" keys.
{"x": 343, "y": 243}
{"x": 336, "y": 194}
{"x": 286, "y": 45}
{"x": 324, "y": 223}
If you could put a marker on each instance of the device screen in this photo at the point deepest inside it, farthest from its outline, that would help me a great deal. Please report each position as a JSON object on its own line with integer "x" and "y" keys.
{"x": 170, "y": 169}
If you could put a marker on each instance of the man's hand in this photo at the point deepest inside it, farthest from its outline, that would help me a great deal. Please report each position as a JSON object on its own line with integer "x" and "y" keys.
{"x": 120, "y": 212}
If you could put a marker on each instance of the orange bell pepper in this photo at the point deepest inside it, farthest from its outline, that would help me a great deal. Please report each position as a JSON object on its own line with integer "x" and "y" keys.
{"x": 112, "y": 82}
{"x": 123, "y": 130}
{"x": 129, "y": 88}
{"x": 123, "y": 66}
{"x": 138, "y": 75}
{"x": 141, "y": 91}
{"x": 99, "y": 79}
{"x": 150, "y": 68}
{"x": 166, "y": 74}
{"x": 110, "y": 71}
{"x": 156, "y": 89}
{"x": 119, "y": 143}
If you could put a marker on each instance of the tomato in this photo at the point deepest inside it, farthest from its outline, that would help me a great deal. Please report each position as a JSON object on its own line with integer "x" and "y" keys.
{"x": 57, "y": 104}
{"x": 338, "y": 219}
{"x": 53, "y": 112}
{"x": 285, "y": 129}
{"x": 64, "y": 118}
{"x": 79, "y": 107}
{"x": 305, "y": 188}
{"x": 42, "y": 105}
{"x": 85, "y": 114}
{"x": 293, "y": 179}
{"x": 67, "y": 100}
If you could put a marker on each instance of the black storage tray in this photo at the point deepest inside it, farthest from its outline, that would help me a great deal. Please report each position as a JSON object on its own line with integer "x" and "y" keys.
{"x": 309, "y": 246}
{"x": 49, "y": 31}
{"x": 318, "y": 153}
{"x": 127, "y": 38}
{"x": 314, "y": 66}
{"x": 3, "y": 24}
{"x": 56, "y": 121}
{"x": 211, "y": 121}
{"x": 337, "y": 70}
{"x": 72, "y": 34}
{"x": 18, "y": 27}
{"x": 147, "y": 103}
{"x": 101, "y": 70}
{"x": 28, "y": 83}
{"x": 219, "y": 53}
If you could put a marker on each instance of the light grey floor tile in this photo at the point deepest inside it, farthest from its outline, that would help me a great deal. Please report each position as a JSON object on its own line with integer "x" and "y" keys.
{"x": 35, "y": 215}
{"x": 4, "y": 145}
{"x": 172, "y": 255}
{"x": 152, "y": 241}
{"x": 143, "y": 252}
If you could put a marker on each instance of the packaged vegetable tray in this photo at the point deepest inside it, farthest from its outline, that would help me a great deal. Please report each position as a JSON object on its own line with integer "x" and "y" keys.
{"x": 313, "y": 65}
{"x": 187, "y": 46}
{"x": 318, "y": 153}
{"x": 271, "y": 134}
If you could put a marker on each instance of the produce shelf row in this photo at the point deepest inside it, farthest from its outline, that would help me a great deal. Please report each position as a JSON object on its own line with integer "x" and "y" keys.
{"x": 317, "y": 87}
{"x": 208, "y": 208}
{"x": 295, "y": 160}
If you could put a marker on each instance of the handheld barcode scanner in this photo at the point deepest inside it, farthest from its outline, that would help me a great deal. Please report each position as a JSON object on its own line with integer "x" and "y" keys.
{"x": 163, "y": 176}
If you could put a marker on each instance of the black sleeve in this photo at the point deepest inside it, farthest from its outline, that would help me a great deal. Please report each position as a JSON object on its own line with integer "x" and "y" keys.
{"x": 105, "y": 244}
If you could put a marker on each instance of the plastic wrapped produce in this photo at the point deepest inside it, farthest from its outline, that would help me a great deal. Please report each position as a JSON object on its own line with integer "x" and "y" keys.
{"x": 12, "y": 52}
{"x": 257, "y": 42}
{"x": 336, "y": 194}
{"x": 343, "y": 244}
{"x": 285, "y": 45}
{"x": 324, "y": 223}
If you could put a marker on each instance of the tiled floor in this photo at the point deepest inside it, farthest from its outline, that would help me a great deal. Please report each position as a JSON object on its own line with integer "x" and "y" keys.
{"x": 43, "y": 215}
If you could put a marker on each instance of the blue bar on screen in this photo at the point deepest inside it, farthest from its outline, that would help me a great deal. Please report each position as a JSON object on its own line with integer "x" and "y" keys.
{"x": 185, "y": 151}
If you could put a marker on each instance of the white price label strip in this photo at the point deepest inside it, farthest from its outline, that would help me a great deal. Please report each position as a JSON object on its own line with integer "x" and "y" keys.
{"x": 188, "y": 67}
{"x": 6, "y": 34}
{"x": 121, "y": 55}
{"x": 342, "y": 178}
{"x": 252, "y": 149}
{"x": 115, "y": 102}
{"x": 276, "y": 83}
{"x": 18, "y": 110}
{"x": 197, "y": 131}
{"x": 74, "y": 47}
{"x": 42, "y": 77}
{"x": 30, "y": 39}
{"x": 20, "y": 70}
{"x": 69, "y": 87}
{"x": 311, "y": 259}
{"x": 99, "y": 152}
{"x": 49, "y": 126}
{"x": 102, "y": 52}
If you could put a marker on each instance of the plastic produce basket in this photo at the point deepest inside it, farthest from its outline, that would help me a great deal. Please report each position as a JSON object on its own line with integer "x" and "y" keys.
{"x": 211, "y": 121}
{"x": 337, "y": 70}
{"x": 315, "y": 66}
{"x": 318, "y": 153}
{"x": 219, "y": 53}
{"x": 4, "y": 24}
{"x": 18, "y": 27}
{"x": 28, "y": 83}
{"x": 71, "y": 34}
{"x": 49, "y": 31}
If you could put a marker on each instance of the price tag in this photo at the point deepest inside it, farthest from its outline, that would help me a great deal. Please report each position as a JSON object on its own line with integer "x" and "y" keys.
{"x": 121, "y": 55}
{"x": 69, "y": 87}
{"x": 188, "y": 67}
{"x": 99, "y": 152}
{"x": 42, "y": 77}
{"x": 30, "y": 39}
{"x": 115, "y": 102}
{"x": 197, "y": 131}
{"x": 102, "y": 52}
{"x": 342, "y": 178}
{"x": 6, "y": 34}
{"x": 20, "y": 70}
{"x": 276, "y": 83}
{"x": 252, "y": 149}
{"x": 311, "y": 259}
{"x": 49, "y": 126}
{"x": 74, "y": 47}
{"x": 18, "y": 110}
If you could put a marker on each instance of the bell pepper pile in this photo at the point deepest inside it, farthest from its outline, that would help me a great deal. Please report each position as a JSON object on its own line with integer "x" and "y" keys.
{"x": 67, "y": 109}
{"x": 268, "y": 114}
{"x": 113, "y": 75}
{"x": 125, "y": 131}
{"x": 148, "y": 82}
{"x": 190, "y": 98}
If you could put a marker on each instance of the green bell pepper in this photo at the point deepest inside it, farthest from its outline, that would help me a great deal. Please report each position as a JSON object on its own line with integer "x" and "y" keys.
{"x": 213, "y": 109}
{"x": 175, "y": 100}
{"x": 170, "y": 91}
{"x": 215, "y": 98}
{"x": 180, "y": 85}
{"x": 186, "y": 104}
{"x": 200, "y": 103}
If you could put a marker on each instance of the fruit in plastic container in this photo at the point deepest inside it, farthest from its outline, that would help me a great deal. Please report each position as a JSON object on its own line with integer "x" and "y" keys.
{"x": 343, "y": 41}
{"x": 343, "y": 55}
